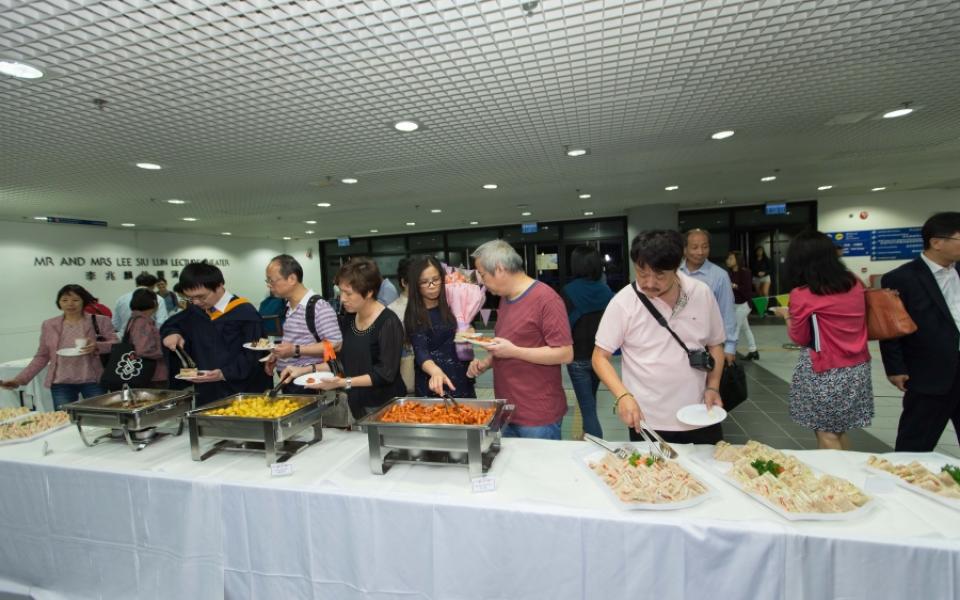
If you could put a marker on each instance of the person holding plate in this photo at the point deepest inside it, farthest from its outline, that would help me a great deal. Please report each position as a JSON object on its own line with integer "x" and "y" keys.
{"x": 71, "y": 345}
{"x": 662, "y": 373}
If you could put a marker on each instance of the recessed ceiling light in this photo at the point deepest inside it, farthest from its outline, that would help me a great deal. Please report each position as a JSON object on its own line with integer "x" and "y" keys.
{"x": 39, "y": 218}
{"x": 128, "y": 224}
{"x": 374, "y": 231}
{"x": 672, "y": 188}
{"x": 900, "y": 112}
{"x": 823, "y": 188}
{"x": 176, "y": 201}
{"x": 310, "y": 222}
{"x": 722, "y": 135}
{"x": 585, "y": 196}
{"x": 226, "y": 233}
{"x": 768, "y": 178}
{"x": 309, "y": 232}
{"x": 436, "y": 210}
{"x": 474, "y": 222}
{"x": 19, "y": 70}
{"x": 189, "y": 219}
{"x": 323, "y": 204}
{"x": 526, "y": 213}
{"x": 877, "y": 189}
{"x": 489, "y": 186}
{"x": 410, "y": 223}
{"x": 149, "y": 166}
{"x": 348, "y": 180}
{"x": 588, "y": 213}
{"x": 406, "y": 126}
{"x": 576, "y": 152}
{"x": 287, "y": 237}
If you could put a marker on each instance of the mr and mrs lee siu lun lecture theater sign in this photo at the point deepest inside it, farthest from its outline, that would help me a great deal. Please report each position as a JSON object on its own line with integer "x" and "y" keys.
{"x": 122, "y": 267}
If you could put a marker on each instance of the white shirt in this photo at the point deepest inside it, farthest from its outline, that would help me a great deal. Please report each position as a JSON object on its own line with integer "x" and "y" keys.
{"x": 949, "y": 281}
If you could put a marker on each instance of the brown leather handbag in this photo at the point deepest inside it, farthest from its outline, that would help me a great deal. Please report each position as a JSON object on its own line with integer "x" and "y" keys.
{"x": 887, "y": 318}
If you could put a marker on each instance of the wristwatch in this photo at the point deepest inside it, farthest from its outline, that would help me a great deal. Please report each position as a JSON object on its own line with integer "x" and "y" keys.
{"x": 349, "y": 384}
{"x": 296, "y": 351}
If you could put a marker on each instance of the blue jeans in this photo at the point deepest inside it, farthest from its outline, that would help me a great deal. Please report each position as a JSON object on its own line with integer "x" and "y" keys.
{"x": 550, "y": 431}
{"x": 64, "y": 393}
{"x": 585, "y": 383}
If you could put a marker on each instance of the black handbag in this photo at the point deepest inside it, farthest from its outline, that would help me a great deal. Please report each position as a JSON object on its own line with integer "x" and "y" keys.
{"x": 104, "y": 357}
{"x": 126, "y": 366}
{"x": 733, "y": 386}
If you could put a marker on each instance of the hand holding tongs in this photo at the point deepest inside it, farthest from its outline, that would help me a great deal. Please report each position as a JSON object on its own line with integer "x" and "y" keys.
{"x": 330, "y": 358}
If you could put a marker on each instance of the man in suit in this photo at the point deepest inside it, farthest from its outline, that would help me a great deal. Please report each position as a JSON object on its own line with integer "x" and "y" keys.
{"x": 926, "y": 364}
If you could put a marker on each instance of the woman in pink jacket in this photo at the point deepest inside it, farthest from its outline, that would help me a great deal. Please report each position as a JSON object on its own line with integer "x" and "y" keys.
{"x": 71, "y": 344}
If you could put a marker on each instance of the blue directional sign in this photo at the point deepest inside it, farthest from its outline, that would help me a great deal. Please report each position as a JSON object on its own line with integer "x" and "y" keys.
{"x": 854, "y": 243}
{"x": 896, "y": 244}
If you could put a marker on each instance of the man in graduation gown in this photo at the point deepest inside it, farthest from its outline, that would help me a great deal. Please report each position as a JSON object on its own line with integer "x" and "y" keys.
{"x": 212, "y": 330}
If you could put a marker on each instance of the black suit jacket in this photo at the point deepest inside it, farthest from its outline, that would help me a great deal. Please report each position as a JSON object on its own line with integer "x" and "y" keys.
{"x": 930, "y": 355}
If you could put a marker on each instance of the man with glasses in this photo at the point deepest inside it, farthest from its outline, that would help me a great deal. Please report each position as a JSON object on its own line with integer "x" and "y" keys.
{"x": 212, "y": 330}
{"x": 925, "y": 365}
{"x": 309, "y": 320}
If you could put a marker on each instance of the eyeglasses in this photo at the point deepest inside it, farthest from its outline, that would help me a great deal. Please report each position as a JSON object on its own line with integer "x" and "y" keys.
{"x": 198, "y": 297}
{"x": 944, "y": 237}
{"x": 269, "y": 281}
{"x": 431, "y": 283}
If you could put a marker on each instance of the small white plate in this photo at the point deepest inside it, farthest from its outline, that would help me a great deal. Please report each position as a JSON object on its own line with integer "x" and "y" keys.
{"x": 69, "y": 352}
{"x": 697, "y": 415}
{"x": 309, "y": 378}
{"x": 250, "y": 346}
{"x": 200, "y": 373}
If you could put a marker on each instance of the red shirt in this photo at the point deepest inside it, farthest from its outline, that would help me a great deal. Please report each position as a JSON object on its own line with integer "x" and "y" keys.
{"x": 843, "y": 326}
{"x": 537, "y": 318}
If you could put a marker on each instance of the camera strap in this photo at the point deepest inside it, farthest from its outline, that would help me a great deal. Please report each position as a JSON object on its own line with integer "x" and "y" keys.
{"x": 656, "y": 315}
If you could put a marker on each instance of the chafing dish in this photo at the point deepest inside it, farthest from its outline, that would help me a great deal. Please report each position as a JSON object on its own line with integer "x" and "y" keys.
{"x": 131, "y": 414}
{"x": 473, "y": 446}
{"x": 272, "y": 436}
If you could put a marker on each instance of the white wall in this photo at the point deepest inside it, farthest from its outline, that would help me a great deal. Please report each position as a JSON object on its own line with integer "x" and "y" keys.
{"x": 29, "y": 291}
{"x": 883, "y": 210}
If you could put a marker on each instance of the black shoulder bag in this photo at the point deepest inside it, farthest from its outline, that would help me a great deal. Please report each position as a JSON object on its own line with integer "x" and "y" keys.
{"x": 104, "y": 357}
{"x": 126, "y": 366}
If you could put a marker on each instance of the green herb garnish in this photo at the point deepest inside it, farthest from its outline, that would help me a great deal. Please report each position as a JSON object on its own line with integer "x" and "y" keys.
{"x": 651, "y": 461}
{"x": 767, "y": 466}
{"x": 953, "y": 471}
{"x": 634, "y": 459}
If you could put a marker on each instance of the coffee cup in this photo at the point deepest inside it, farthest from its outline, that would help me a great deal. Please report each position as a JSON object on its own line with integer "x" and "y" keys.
{"x": 80, "y": 343}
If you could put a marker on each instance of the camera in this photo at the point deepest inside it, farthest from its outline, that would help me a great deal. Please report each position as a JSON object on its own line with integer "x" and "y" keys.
{"x": 701, "y": 359}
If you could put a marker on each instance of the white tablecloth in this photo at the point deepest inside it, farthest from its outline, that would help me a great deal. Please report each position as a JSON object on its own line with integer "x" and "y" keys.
{"x": 34, "y": 394}
{"x": 107, "y": 522}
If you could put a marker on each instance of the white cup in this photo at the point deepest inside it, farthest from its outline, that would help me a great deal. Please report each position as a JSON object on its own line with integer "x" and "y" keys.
{"x": 80, "y": 343}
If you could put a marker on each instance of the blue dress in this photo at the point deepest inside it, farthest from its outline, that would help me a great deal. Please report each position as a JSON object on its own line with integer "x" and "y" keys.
{"x": 437, "y": 344}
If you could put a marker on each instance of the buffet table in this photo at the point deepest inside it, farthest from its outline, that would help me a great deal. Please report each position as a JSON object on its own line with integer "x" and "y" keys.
{"x": 106, "y": 522}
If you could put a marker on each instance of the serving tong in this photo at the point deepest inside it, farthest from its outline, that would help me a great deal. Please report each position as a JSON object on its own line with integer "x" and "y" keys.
{"x": 185, "y": 359}
{"x": 449, "y": 401}
{"x": 330, "y": 358}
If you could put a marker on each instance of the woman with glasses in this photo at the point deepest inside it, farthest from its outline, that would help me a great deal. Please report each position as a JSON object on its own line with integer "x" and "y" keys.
{"x": 431, "y": 326}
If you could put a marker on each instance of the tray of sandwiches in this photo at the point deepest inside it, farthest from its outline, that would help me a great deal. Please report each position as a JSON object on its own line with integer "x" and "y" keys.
{"x": 928, "y": 474}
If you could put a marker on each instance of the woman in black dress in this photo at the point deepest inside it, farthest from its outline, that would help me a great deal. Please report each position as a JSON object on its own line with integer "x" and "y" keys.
{"x": 431, "y": 326}
{"x": 372, "y": 343}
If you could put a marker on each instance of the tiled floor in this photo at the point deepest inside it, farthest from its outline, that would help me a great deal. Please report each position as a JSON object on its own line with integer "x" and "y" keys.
{"x": 765, "y": 416}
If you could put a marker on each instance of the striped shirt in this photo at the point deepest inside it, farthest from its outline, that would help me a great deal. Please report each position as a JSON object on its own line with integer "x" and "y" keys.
{"x": 295, "y": 330}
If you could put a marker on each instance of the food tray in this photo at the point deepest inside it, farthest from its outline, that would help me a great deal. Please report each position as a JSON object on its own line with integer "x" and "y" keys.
{"x": 703, "y": 456}
{"x": 271, "y": 436}
{"x": 585, "y": 456}
{"x": 931, "y": 460}
{"x": 25, "y": 410}
{"x": 473, "y": 446}
{"x": 129, "y": 413}
{"x": 28, "y": 417}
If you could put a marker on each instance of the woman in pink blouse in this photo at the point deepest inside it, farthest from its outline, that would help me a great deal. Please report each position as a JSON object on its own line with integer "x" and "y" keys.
{"x": 71, "y": 345}
{"x": 144, "y": 334}
{"x": 831, "y": 390}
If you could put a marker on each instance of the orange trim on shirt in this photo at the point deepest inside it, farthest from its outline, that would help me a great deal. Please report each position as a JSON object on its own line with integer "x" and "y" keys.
{"x": 216, "y": 314}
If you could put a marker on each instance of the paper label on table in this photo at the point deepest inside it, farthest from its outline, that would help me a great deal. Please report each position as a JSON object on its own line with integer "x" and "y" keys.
{"x": 281, "y": 469}
{"x": 483, "y": 484}
{"x": 45, "y": 449}
{"x": 879, "y": 484}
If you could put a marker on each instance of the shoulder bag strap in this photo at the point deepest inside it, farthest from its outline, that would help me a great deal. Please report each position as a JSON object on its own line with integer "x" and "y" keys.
{"x": 311, "y": 315}
{"x": 656, "y": 315}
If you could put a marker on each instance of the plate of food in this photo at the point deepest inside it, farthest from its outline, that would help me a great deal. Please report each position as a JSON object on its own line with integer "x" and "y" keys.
{"x": 926, "y": 473}
{"x": 700, "y": 416}
{"x": 641, "y": 481}
{"x": 186, "y": 374}
{"x": 262, "y": 345}
{"x": 311, "y": 378}
{"x": 784, "y": 484}
{"x": 70, "y": 352}
{"x": 29, "y": 427}
{"x": 476, "y": 339}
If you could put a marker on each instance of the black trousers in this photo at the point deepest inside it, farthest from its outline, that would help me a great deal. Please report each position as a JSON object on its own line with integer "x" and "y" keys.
{"x": 925, "y": 417}
{"x": 704, "y": 435}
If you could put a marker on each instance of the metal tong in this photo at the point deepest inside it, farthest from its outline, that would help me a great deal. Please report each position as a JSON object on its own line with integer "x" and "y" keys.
{"x": 449, "y": 401}
{"x": 185, "y": 359}
{"x": 658, "y": 445}
{"x": 620, "y": 452}
{"x": 273, "y": 393}
{"x": 330, "y": 358}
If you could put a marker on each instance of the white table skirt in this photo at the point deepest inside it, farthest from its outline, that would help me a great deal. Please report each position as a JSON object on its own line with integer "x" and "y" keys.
{"x": 35, "y": 395}
{"x": 107, "y": 522}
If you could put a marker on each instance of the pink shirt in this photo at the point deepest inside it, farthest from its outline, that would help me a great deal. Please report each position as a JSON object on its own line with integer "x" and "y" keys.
{"x": 842, "y": 320}
{"x": 70, "y": 369}
{"x": 537, "y": 318}
{"x": 655, "y": 369}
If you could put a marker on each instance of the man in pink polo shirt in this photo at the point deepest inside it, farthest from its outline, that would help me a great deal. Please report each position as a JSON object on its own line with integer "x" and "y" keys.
{"x": 532, "y": 339}
{"x": 658, "y": 376}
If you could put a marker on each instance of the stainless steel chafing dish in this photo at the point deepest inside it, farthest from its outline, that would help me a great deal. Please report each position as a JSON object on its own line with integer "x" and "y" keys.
{"x": 272, "y": 436}
{"x": 473, "y": 446}
{"x": 131, "y": 414}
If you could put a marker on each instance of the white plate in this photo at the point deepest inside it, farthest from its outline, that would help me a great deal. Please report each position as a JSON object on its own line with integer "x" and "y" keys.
{"x": 69, "y": 352}
{"x": 931, "y": 460}
{"x": 250, "y": 346}
{"x": 697, "y": 415}
{"x": 200, "y": 373}
{"x": 585, "y": 456}
{"x": 303, "y": 379}
{"x": 703, "y": 456}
